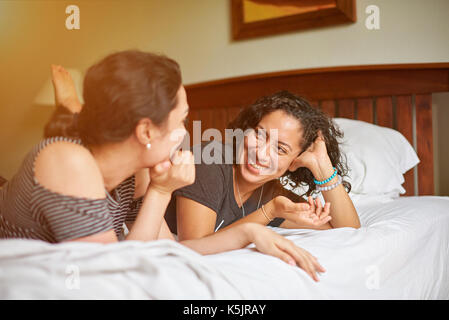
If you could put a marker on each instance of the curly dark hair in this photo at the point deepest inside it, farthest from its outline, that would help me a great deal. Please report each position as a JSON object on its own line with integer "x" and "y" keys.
{"x": 311, "y": 119}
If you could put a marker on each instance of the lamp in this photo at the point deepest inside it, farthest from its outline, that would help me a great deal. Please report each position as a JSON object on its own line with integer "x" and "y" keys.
{"x": 46, "y": 95}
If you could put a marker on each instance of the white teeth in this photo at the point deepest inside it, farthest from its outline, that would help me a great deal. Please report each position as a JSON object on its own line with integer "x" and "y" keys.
{"x": 256, "y": 166}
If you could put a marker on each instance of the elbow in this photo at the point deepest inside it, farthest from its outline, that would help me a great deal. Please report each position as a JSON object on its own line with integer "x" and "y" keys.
{"x": 356, "y": 225}
{"x": 352, "y": 224}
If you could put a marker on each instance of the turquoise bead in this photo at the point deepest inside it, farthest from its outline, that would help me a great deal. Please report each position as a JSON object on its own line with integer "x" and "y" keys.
{"x": 327, "y": 180}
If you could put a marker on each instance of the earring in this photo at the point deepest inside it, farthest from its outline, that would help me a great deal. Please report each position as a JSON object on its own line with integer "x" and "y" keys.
{"x": 148, "y": 145}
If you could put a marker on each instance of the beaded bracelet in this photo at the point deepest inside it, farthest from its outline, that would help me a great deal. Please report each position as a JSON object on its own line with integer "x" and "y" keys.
{"x": 327, "y": 180}
{"x": 328, "y": 188}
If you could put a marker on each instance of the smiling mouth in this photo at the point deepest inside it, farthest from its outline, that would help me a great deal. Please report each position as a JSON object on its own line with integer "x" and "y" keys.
{"x": 255, "y": 166}
{"x": 251, "y": 162}
{"x": 258, "y": 169}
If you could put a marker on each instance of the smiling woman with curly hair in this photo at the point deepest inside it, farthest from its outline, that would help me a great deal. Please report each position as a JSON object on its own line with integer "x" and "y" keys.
{"x": 287, "y": 141}
{"x": 312, "y": 120}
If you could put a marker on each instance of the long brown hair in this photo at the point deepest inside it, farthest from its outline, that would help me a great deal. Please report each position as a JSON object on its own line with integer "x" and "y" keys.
{"x": 118, "y": 91}
{"x": 311, "y": 119}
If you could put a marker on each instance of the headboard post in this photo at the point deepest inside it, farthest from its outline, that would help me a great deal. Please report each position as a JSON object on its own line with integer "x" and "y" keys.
{"x": 423, "y": 105}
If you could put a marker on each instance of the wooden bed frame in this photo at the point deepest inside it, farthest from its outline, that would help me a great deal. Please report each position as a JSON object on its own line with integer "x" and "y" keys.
{"x": 398, "y": 96}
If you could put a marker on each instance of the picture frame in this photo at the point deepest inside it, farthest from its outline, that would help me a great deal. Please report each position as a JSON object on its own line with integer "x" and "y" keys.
{"x": 257, "y": 18}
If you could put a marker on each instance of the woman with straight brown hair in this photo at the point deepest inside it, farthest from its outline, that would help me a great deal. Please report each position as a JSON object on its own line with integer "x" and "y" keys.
{"x": 114, "y": 161}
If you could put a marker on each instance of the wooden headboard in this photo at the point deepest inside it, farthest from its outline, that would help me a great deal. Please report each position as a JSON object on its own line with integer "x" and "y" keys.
{"x": 398, "y": 96}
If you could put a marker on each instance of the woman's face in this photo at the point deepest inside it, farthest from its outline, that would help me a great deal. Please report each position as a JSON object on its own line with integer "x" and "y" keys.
{"x": 270, "y": 149}
{"x": 166, "y": 138}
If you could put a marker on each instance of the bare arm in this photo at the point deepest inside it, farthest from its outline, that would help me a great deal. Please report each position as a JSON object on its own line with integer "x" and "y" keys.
{"x": 149, "y": 221}
{"x": 164, "y": 179}
{"x": 317, "y": 160}
{"x": 236, "y": 238}
{"x": 142, "y": 182}
{"x": 343, "y": 211}
{"x": 265, "y": 240}
{"x": 63, "y": 161}
{"x": 195, "y": 220}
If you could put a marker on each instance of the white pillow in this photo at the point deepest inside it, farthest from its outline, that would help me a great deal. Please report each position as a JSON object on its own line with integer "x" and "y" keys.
{"x": 377, "y": 157}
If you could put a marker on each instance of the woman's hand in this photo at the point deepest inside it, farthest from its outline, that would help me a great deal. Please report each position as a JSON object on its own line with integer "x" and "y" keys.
{"x": 316, "y": 159}
{"x": 271, "y": 243}
{"x": 311, "y": 214}
{"x": 169, "y": 176}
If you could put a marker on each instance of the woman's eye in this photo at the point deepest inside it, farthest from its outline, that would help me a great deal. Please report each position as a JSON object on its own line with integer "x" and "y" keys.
{"x": 282, "y": 150}
{"x": 260, "y": 135}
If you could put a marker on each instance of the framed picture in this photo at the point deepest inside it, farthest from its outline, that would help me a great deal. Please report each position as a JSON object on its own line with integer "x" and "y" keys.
{"x": 256, "y": 18}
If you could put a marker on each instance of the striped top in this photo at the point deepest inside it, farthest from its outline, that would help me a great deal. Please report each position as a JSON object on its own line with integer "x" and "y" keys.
{"x": 29, "y": 210}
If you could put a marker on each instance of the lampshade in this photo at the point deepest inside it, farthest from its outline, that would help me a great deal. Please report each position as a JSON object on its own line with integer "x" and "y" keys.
{"x": 46, "y": 95}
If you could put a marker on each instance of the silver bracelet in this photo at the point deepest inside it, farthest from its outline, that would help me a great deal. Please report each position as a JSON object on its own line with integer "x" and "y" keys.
{"x": 265, "y": 214}
{"x": 332, "y": 186}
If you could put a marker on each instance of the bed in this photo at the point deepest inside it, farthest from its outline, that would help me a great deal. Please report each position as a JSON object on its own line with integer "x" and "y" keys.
{"x": 400, "y": 252}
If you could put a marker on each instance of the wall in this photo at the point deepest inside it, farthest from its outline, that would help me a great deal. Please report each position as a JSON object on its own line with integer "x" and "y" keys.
{"x": 197, "y": 34}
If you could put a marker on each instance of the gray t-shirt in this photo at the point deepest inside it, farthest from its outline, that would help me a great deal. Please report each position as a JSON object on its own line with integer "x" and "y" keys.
{"x": 214, "y": 188}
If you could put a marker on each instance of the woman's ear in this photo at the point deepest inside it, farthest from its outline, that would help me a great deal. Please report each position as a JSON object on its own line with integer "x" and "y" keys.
{"x": 144, "y": 131}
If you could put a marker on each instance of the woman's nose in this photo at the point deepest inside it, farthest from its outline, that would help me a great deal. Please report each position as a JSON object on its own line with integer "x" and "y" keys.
{"x": 263, "y": 154}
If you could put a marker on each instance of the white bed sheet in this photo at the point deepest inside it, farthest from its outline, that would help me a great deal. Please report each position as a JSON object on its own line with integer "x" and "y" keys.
{"x": 401, "y": 252}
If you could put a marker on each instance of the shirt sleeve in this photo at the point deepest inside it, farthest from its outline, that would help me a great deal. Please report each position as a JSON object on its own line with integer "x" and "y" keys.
{"x": 209, "y": 186}
{"x": 276, "y": 222}
{"x": 71, "y": 218}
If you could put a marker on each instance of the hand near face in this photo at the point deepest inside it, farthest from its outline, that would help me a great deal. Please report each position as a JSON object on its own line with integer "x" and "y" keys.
{"x": 169, "y": 176}
{"x": 311, "y": 214}
{"x": 315, "y": 155}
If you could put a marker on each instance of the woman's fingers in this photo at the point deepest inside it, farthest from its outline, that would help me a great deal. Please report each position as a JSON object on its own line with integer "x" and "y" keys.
{"x": 301, "y": 206}
{"x": 275, "y": 251}
{"x": 312, "y": 211}
{"x": 317, "y": 267}
{"x": 326, "y": 210}
{"x": 303, "y": 259}
{"x": 162, "y": 167}
{"x": 311, "y": 203}
{"x": 324, "y": 216}
{"x": 285, "y": 257}
{"x": 271, "y": 243}
{"x": 173, "y": 174}
{"x": 319, "y": 207}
